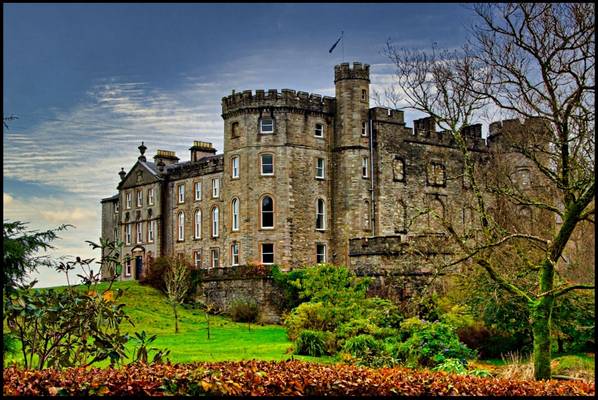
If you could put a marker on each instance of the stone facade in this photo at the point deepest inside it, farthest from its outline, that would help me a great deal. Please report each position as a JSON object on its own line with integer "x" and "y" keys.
{"x": 302, "y": 179}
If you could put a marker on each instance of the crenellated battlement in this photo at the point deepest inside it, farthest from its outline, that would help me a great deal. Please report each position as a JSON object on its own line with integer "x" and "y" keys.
{"x": 382, "y": 114}
{"x": 344, "y": 71}
{"x": 272, "y": 98}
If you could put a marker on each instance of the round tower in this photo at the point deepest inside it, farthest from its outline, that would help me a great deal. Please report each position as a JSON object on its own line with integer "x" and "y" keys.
{"x": 352, "y": 185}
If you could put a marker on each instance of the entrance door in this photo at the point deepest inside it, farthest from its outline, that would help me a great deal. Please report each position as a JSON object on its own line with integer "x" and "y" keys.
{"x": 138, "y": 266}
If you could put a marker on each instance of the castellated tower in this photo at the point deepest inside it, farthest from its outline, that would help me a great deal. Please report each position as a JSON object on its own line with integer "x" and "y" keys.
{"x": 277, "y": 157}
{"x": 352, "y": 184}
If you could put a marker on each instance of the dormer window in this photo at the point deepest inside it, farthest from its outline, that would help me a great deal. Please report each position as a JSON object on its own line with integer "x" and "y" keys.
{"x": 267, "y": 125}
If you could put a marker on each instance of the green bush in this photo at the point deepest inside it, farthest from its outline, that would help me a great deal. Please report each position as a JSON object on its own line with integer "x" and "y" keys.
{"x": 363, "y": 346}
{"x": 244, "y": 310}
{"x": 287, "y": 282}
{"x": 313, "y": 343}
{"x": 451, "y": 366}
{"x": 312, "y": 316}
{"x": 429, "y": 344}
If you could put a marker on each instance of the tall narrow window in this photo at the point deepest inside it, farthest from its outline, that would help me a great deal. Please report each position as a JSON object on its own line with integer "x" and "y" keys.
{"x": 215, "y": 188}
{"x": 235, "y": 167}
{"x": 115, "y": 208}
{"x": 436, "y": 176}
{"x": 150, "y": 196}
{"x": 128, "y": 234}
{"x": 139, "y": 232}
{"x": 129, "y": 200}
{"x": 320, "y": 253}
{"x": 234, "y": 130}
{"x": 197, "y": 224}
{"x": 320, "y": 215}
{"x": 181, "y": 193}
{"x": 436, "y": 215}
{"x": 181, "y": 225}
{"x": 364, "y": 167}
{"x": 401, "y": 214}
{"x": 234, "y": 253}
{"x": 267, "y": 164}
{"x": 364, "y": 94}
{"x": 197, "y": 191}
{"x": 366, "y": 216}
{"x": 235, "y": 214}
{"x": 266, "y": 125}
{"x": 151, "y": 227}
{"x": 215, "y": 222}
{"x": 197, "y": 258}
{"x": 320, "y": 168}
{"x": 215, "y": 256}
{"x": 267, "y": 251}
{"x": 364, "y": 129}
{"x": 319, "y": 130}
{"x": 398, "y": 169}
{"x": 267, "y": 212}
{"x": 128, "y": 267}
{"x": 139, "y": 198}
{"x": 115, "y": 233}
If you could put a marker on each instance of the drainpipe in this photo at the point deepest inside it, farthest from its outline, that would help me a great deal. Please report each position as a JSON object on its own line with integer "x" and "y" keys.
{"x": 372, "y": 210}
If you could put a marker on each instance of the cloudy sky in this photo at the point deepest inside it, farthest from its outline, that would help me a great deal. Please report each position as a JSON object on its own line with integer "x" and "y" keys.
{"x": 89, "y": 82}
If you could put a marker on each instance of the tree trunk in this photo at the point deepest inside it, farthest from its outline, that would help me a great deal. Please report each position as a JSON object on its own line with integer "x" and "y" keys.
{"x": 176, "y": 318}
{"x": 541, "y": 315}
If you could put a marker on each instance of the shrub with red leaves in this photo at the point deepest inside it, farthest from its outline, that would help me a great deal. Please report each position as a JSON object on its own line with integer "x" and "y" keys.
{"x": 271, "y": 378}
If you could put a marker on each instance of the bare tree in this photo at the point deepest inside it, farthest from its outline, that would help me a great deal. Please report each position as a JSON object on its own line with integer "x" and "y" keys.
{"x": 177, "y": 279}
{"x": 536, "y": 62}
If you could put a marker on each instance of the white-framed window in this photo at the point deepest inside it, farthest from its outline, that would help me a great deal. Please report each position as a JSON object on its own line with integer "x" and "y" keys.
{"x": 129, "y": 202}
{"x": 150, "y": 196}
{"x": 267, "y": 164}
{"x": 267, "y": 125}
{"x": 197, "y": 258}
{"x": 364, "y": 166}
{"x": 215, "y": 222}
{"x": 320, "y": 215}
{"x": 197, "y": 191}
{"x": 320, "y": 253}
{"x": 215, "y": 258}
{"x": 181, "y": 226}
{"x": 364, "y": 129}
{"x": 235, "y": 214}
{"x": 320, "y": 168}
{"x": 128, "y": 267}
{"x": 216, "y": 187}
{"x": 267, "y": 253}
{"x": 197, "y": 224}
{"x": 139, "y": 232}
{"x": 139, "y": 198}
{"x": 235, "y": 167}
{"x": 151, "y": 228}
{"x": 234, "y": 253}
{"x": 267, "y": 213}
{"x": 181, "y": 191}
{"x": 116, "y": 208}
{"x": 364, "y": 94}
{"x": 128, "y": 234}
{"x": 319, "y": 130}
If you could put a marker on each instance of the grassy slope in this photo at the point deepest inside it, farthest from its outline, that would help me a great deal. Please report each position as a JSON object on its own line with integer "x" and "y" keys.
{"x": 229, "y": 340}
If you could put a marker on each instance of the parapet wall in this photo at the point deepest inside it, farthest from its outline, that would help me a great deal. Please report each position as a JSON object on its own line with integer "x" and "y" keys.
{"x": 274, "y": 99}
{"x": 344, "y": 71}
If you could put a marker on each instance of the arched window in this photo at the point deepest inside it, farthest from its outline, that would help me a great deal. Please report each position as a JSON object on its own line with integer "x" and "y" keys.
{"x": 197, "y": 229}
{"x": 320, "y": 215}
{"x": 235, "y": 214}
{"x": 181, "y": 225}
{"x": 267, "y": 212}
{"x": 215, "y": 222}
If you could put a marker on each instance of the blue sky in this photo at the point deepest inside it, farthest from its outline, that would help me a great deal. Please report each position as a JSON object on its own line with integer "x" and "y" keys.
{"x": 89, "y": 82}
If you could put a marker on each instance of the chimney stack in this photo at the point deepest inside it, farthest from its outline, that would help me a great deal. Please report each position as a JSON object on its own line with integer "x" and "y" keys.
{"x": 200, "y": 150}
{"x": 165, "y": 157}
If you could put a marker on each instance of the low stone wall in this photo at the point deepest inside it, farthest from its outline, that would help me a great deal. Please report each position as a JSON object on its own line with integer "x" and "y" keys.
{"x": 221, "y": 286}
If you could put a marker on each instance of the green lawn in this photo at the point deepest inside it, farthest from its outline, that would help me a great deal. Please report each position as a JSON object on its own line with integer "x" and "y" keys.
{"x": 229, "y": 340}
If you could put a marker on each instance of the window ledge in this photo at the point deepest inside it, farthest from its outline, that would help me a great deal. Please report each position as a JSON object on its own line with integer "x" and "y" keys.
{"x": 320, "y": 178}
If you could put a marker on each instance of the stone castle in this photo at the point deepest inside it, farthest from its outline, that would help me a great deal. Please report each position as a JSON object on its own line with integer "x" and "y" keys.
{"x": 303, "y": 179}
